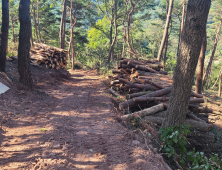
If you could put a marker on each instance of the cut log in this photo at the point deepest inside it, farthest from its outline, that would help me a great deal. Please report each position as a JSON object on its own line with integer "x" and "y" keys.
{"x": 147, "y": 99}
{"x": 197, "y": 100}
{"x": 196, "y": 95}
{"x": 153, "y": 83}
{"x": 158, "y": 93}
{"x": 191, "y": 115}
{"x": 139, "y": 67}
{"x": 198, "y": 109}
{"x": 139, "y": 86}
{"x": 138, "y": 94}
{"x": 116, "y": 94}
{"x": 194, "y": 124}
{"x": 145, "y": 112}
{"x": 114, "y": 82}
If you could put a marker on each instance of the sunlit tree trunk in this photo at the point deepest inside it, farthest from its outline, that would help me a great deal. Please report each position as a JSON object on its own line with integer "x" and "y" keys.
{"x": 200, "y": 66}
{"x": 192, "y": 38}
{"x": 165, "y": 31}
{"x": 167, "y": 36}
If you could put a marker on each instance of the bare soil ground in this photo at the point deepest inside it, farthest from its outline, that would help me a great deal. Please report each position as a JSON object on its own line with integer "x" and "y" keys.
{"x": 67, "y": 122}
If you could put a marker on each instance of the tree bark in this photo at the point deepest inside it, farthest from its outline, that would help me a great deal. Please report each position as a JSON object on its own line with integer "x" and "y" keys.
{"x": 24, "y": 44}
{"x": 200, "y": 66}
{"x": 63, "y": 26}
{"x": 208, "y": 70}
{"x": 4, "y": 37}
{"x": 165, "y": 31}
{"x": 190, "y": 46}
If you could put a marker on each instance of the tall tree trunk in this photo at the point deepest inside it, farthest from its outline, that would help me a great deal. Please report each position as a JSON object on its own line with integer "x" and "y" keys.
{"x": 4, "y": 36}
{"x": 36, "y": 30}
{"x": 31, "y": 37}
{"x": 212, "y": 55}
{"x": 111, "y": 50}
{"x": 165, "y": 31}
{"x": 124, "y": 29}
{"x": 63, "y": 26}
{"x": 200, "y": 66}
{"x": 24, "y": 44}
{"x": 219, "y": 91}
{"x": 13, "y": 34}
{"x": 37, "y": 18}
{"x": 194, "y": 29}
{"x": 72, "y": 24}
{"x": 128, "y": 27}
{"x": 167, "y": 36}
{"x": 183, "y": 16}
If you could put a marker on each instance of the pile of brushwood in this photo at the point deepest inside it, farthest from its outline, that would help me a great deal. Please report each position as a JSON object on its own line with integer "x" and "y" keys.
{"x": 51, "y": 57}
{"x": 143, "y": 90}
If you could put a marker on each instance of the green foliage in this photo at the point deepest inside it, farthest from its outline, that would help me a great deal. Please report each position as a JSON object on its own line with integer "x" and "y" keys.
{"x": 174, "y": 139}
{"x": 99, "y": 35}
{"x": 174, "y": 145}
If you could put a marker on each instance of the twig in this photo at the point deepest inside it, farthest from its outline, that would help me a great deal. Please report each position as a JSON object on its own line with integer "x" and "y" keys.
{"x": 178, "y": 164}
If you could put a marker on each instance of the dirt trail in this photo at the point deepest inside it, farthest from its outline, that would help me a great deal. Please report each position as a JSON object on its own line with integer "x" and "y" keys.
{"x": 68, "y": 124}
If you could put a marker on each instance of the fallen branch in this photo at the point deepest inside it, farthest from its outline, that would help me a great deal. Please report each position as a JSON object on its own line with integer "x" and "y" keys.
{"x": 6, "y": 77}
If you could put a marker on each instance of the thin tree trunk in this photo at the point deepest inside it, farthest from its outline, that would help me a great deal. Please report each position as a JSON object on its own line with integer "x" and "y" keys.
{"x": 183, "y": 16}
{"x": 165, "y": 31}
{"x": 31, "y": 37}
{"x": 24, "y": 44}
{"x": 167, "y": 36}
{"x": 194, "y": 29}
{"x": 111, "y": 50}
{"x": 36, "y": 30}
{"x": 217, "y": 78}
{"x": 62, "y": 26}
{"x": 128, "y": 27}
{"x": 40, "y": 39}
{"x": 200, "y": 66}
{"x": 72, "y": 24}
{"x": 4, "y": 36}
{"x": 212, "y": 55}
{"x": 124, "y": 29}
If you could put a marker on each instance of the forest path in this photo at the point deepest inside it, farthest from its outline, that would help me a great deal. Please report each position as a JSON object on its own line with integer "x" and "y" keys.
{"x": 70, "y": 126}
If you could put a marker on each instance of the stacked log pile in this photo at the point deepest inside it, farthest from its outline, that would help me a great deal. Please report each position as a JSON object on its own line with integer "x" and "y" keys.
{"x": 144, "y": 90}
{"x": 49, "y": 56}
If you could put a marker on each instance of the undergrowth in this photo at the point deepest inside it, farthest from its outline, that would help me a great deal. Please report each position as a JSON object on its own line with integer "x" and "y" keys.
{"x": 174, "y": 146}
